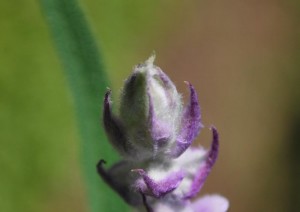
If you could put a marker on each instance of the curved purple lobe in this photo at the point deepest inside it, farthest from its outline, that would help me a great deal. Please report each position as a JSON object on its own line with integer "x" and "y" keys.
{"x": 160, "y": 188}
{"x": 204, "y": 170}
{"x": 115, "y": 176}
{"x": 191, "y": 124}
{"x": 114, "y": 129}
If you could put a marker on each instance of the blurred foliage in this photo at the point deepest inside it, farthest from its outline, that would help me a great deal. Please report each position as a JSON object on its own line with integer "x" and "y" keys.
{"x": 87, "y": 78}
{"x": 37, "y": 126}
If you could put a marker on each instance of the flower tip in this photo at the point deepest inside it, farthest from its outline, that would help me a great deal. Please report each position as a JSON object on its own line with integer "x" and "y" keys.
{"x": 187, "y": 83}
{"x": 151, "y": 59}
{"x": 100, "y": 165}
{"x": 139, "y": 171}
{"x": 108, "y": 91}
{"x": 213, "y": 128}
{"x": 102, "y": 161}
{"x": 215, "y": 135}
{"x": 107, "y": 97}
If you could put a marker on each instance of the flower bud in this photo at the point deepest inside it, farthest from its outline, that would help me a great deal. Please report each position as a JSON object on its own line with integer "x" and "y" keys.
{"x": 152, "y": 123}
{"x": 153, "y": 133}
{"x": 150, "y": 109}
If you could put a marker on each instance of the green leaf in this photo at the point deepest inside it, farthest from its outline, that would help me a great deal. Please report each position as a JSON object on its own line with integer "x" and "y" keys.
{"x": 85, "y": 73}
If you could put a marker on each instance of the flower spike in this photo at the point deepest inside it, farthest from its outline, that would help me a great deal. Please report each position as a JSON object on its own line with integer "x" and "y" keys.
{"x": 160, "y": 171}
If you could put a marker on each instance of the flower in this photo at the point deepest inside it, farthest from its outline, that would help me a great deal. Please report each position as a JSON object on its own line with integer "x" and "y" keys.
{"x": 160, "y": 171}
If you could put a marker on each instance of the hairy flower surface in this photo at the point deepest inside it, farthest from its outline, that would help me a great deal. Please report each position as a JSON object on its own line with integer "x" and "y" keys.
{"x": 160, "y": 171}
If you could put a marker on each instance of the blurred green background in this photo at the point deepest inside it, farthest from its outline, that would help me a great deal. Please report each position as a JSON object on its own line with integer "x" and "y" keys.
{"x": 242, "y": 57}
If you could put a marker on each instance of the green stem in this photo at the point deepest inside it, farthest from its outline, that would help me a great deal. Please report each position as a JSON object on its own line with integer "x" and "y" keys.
{"x": 85, "y": 73}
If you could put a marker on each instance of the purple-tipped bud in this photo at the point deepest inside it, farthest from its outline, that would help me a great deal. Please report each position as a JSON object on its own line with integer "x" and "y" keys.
{"x": 153, "y": 133}
{"x": 150, "y": 110}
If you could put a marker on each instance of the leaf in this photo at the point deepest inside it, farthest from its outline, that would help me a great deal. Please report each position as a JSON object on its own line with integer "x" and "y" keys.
{"x": 87, "y": 79}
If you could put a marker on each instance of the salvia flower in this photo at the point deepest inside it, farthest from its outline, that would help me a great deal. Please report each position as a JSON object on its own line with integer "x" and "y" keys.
{"x": 160, "y": 171}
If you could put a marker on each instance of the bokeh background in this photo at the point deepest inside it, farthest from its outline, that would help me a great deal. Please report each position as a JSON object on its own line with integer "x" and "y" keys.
{"x": 242, "y": 57}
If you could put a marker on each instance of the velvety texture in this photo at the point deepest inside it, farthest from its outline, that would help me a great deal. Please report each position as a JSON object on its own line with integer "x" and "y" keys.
{"x": 154, "y": 133}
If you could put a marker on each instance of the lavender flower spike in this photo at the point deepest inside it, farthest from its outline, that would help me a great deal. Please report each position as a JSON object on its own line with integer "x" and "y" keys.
{"x": 160, "y": 171}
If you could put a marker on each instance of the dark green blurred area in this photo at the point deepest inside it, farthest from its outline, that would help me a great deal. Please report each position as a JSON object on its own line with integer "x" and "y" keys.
{"x": 242, "y": 57}
{"x": 38, "y": 138}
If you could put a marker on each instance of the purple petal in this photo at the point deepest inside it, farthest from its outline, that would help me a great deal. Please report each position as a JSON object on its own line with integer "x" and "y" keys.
{"x": 191, "y": 124}
{"x": 211, "y": 203}
{"x": 114, "y": 129}
{"x": 204, "y": 170}
{"x": 158, "y": 189}
{"x": 117, "y": 178}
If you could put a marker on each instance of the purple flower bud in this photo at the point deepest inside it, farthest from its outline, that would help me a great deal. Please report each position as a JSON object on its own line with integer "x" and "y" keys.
{"x": 153, "y": 133}
{"x": 150, "y": 109}
{"x": 152, "y": 122}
